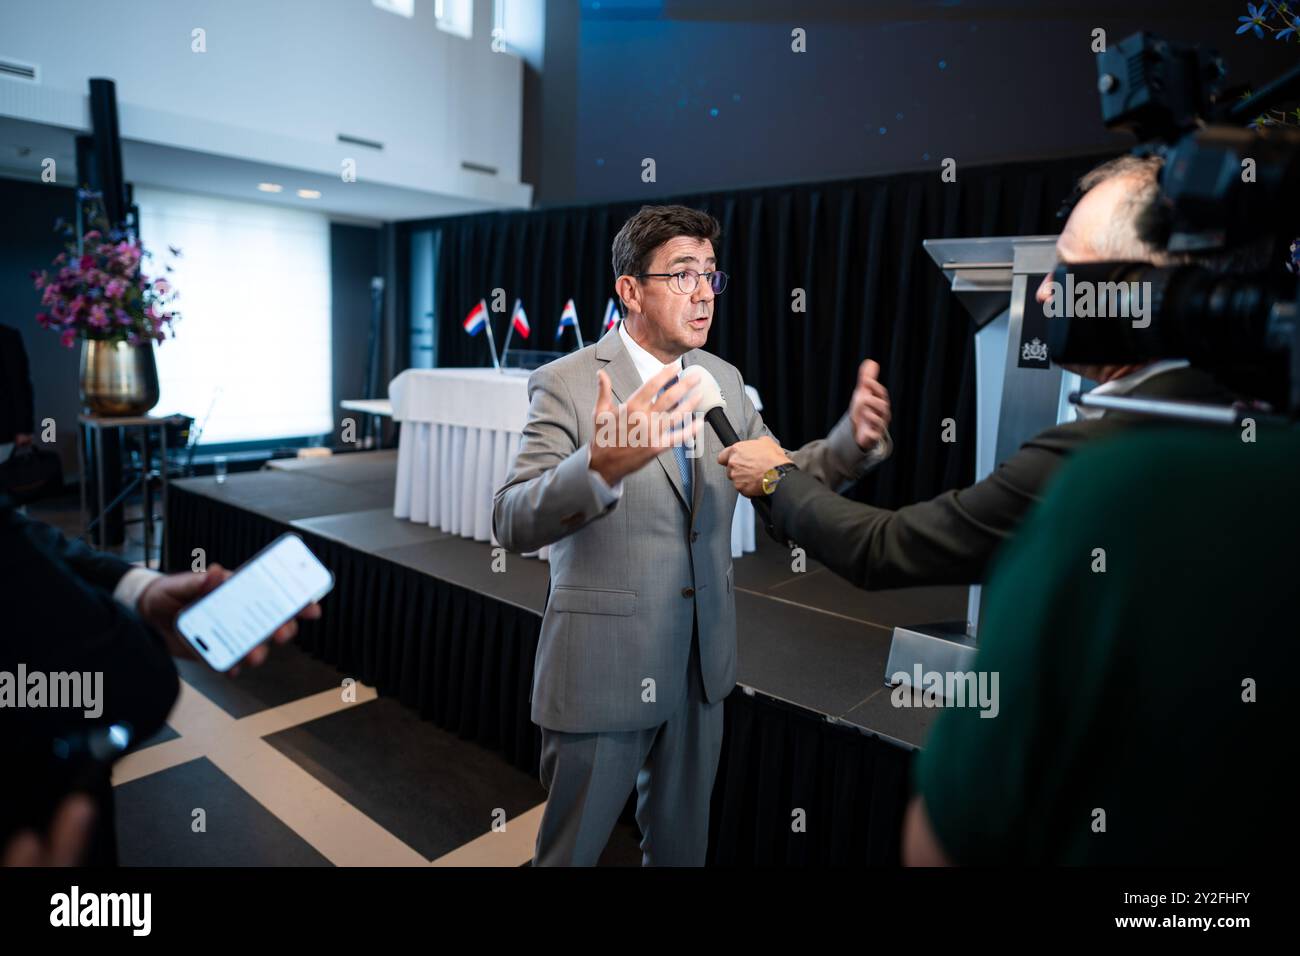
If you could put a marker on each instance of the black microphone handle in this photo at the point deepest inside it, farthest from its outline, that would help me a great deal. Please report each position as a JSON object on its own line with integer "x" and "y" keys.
{"x": 721, "y": 426}
{"x": 717, "y": 420}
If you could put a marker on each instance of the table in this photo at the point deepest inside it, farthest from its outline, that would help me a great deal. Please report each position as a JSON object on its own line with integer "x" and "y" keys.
{"x": 375, "y": 409}
{"x": 94, "y": 425}
{"x": 461, "y": 428}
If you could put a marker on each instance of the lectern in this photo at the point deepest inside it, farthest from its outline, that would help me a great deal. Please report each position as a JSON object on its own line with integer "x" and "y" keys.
{"x": 1018, "y": 394}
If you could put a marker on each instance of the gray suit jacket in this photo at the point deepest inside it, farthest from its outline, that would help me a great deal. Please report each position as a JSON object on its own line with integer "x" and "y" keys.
{"x": 626, "y": 581}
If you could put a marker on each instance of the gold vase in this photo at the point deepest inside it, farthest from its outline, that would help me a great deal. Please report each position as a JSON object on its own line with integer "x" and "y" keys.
{"x": 118, "y": 378}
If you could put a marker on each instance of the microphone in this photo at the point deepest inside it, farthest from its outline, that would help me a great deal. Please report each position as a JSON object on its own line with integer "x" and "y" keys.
{"x": 711, "y": 403}
{"x": 714, "y": 407}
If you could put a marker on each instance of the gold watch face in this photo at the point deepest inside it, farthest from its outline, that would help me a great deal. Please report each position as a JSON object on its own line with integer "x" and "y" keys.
{"x": 770, "y": 478}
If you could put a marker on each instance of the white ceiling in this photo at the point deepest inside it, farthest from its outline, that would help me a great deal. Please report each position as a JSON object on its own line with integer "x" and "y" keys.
{"x": 24, "y": 145}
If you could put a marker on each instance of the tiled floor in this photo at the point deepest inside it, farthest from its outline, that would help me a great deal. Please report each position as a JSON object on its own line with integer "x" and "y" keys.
{"x": 278, "y": 767}
{"x": 274, "y": 768}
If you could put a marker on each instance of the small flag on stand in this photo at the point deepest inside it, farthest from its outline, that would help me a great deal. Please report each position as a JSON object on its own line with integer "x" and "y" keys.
{"x": 569, "y": 318}
{"x": 477, "y": 321}
{"x": 477, "y": 318}
{"x": 611, "y": 316}
{"x": 519, "y": 321}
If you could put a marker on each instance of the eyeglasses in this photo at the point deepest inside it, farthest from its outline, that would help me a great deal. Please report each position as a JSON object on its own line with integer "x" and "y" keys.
{"x": 687, "y": 280}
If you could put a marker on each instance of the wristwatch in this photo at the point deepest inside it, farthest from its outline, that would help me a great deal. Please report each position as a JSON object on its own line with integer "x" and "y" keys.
{"x": 772, "y": 477}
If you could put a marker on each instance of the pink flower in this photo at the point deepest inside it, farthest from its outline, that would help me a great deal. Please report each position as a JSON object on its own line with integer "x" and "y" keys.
{"x": 101, "y": 291}
{"x": 127, "y": 254}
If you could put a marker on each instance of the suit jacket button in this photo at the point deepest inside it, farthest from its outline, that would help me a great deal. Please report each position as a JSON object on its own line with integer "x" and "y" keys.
{"x": 695, "y": 536}
{"x": 688, "y": 592}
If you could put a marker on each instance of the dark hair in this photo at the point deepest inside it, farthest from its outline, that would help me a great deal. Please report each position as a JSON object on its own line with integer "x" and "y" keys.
{"x": 649, "y": 229}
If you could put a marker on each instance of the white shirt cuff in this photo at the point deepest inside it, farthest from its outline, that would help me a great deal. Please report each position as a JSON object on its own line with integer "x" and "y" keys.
{"x": 132, "y": 585}
{"x": 601, "y": 488}
{"x": 881, "y": 449}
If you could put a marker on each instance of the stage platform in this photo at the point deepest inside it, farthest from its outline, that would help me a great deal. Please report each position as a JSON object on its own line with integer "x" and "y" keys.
{"x": 421, "y": 615}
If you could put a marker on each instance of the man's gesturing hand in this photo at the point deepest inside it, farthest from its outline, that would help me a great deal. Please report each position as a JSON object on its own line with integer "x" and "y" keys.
{"x": 869, "y": 407}
{"x": 629, "y": 435}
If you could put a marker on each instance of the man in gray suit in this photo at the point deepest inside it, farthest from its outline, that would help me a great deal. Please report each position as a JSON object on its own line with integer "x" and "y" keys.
{"x": 638, "y": 641}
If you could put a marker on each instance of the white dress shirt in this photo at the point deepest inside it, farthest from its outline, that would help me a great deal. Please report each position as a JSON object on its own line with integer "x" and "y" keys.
{"x": 647, "y": 366}
{"x": 1125, "y": 384}
{"x": 132, "y": 585}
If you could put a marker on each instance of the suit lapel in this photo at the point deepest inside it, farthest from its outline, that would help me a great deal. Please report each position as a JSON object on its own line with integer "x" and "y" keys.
{"x": 618, "y": 365}
{"x": 624, "y": 380}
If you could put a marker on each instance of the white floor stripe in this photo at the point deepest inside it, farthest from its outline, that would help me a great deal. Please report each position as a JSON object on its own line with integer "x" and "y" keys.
{"x": 332, "y": 826}
{"x": 512, "y": 846}
{"x": 336, "y": 829}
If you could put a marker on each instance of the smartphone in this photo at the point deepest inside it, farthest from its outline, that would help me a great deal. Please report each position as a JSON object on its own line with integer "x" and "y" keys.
{"x": 268, "y": 590}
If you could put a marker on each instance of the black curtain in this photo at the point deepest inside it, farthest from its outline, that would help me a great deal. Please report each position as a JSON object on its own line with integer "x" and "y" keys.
{"x": 853, "y": 246}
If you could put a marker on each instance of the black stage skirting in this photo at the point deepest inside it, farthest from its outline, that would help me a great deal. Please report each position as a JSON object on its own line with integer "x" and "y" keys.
{"x": 463, "y": 659}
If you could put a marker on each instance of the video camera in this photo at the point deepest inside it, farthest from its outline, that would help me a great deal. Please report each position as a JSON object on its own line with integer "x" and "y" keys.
{"x": 1224, "y": 189}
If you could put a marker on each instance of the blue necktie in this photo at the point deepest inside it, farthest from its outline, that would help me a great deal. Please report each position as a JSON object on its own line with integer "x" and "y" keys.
{"x": 679, "y": 452}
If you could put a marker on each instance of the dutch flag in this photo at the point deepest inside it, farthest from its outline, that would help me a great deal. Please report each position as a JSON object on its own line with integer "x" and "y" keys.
{"x": 477, "y": 318}
{"x": 611, "y": 316}
{"x": 519, "y": 319}
{"x": 569, "y": 317}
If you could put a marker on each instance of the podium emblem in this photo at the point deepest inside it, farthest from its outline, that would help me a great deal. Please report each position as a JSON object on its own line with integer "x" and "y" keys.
{"x": 1034, "y": 350}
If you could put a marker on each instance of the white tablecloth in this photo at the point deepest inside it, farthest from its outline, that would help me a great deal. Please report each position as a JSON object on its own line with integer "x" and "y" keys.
{"x": 460, "y": 431}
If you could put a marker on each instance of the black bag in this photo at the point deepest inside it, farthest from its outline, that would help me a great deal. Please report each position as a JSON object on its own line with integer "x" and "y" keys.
{"x": 31, "y": 473}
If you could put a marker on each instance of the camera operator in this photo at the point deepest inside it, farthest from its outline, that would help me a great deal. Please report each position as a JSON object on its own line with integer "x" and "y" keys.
{"x": 951, "y": 538}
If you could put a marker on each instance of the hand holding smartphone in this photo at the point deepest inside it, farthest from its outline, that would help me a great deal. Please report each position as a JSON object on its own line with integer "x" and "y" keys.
{"x": 245, "y": 610}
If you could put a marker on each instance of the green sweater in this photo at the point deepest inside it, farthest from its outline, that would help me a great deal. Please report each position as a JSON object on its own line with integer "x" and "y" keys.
{"x": 1121, "y": 691}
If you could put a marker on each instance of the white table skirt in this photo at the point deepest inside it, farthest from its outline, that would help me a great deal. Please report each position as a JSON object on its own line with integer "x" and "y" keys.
{"x": 460, "y": 431}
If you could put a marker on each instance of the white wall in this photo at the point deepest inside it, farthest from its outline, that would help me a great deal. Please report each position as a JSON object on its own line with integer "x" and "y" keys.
{"x": 279, "y": 81}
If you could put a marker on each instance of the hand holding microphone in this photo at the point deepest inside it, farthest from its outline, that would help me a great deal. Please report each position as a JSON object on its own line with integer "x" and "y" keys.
{"x": 747, "y": 461}
{"x": 740, "y": 458}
